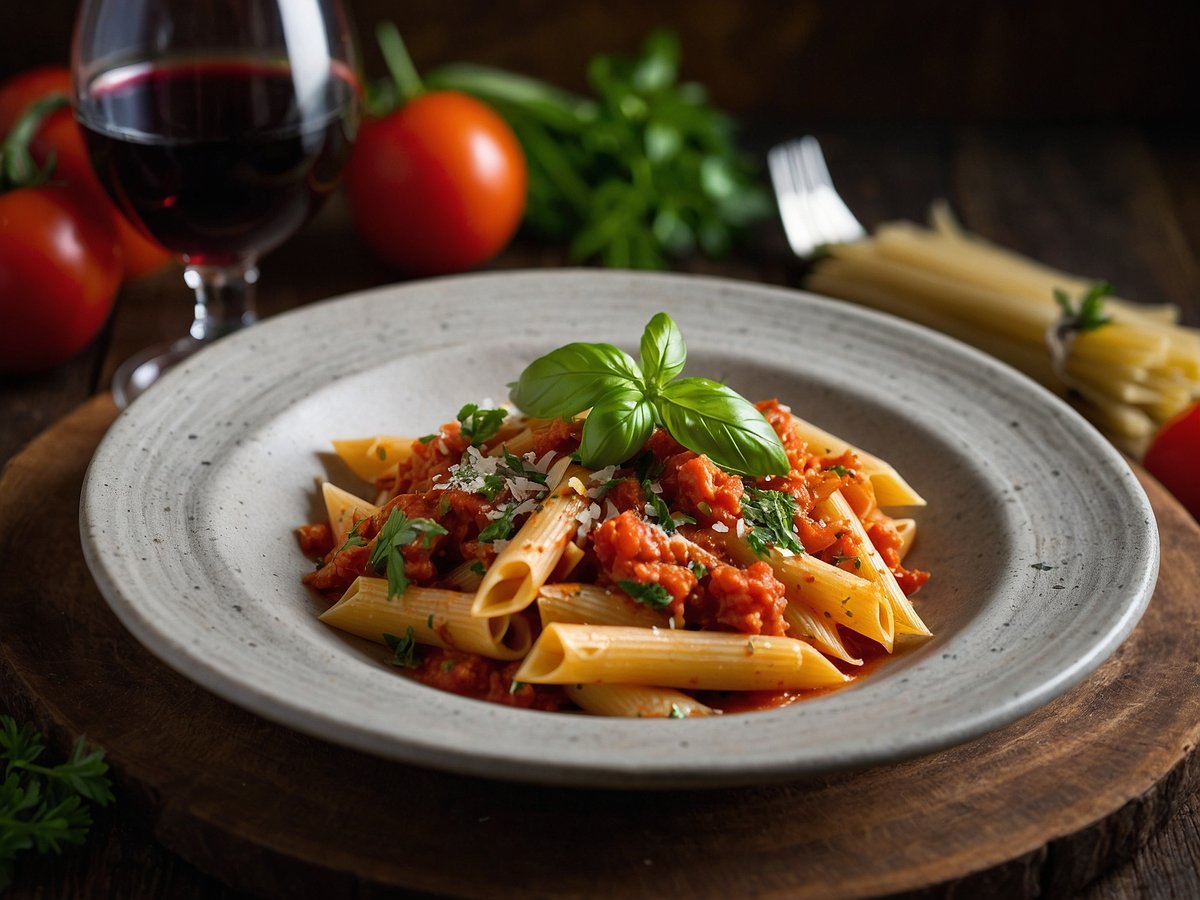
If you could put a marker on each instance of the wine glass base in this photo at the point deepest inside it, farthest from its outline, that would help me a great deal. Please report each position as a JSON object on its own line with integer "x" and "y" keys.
{"x": 144, "y": 368}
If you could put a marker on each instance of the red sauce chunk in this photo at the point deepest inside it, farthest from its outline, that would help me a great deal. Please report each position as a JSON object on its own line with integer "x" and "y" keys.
{"x": 709, "y": 494}
{"x": 472, "y": 675}
{"x": 747, "y": 600}
{"x": 886, "y": 539}
{"x": 629, "y": 548}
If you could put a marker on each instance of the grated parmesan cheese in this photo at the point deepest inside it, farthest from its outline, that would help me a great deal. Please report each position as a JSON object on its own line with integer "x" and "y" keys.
{"x": 720, "y": 527}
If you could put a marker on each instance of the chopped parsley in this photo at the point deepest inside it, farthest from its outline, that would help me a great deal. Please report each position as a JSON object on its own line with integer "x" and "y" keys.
{"x": 698, "y": 569}
{"x": 501, "y": 528}
{"x": 480, "y": 424}
{"x": 404, "y": 649}
{"x": 427, "y": 438}
{"x": 772, "y": 515}
{"x": 477, "y": 567}
{"x": 353, "y": 539}
{"x": 517, "y": 466}
{"x": 838, "y": 559}
{"x": 382, "y": 452}
{"x": 653, "y": 595}
{"x": 676, "y": 712}
{"x": 397, "y": 532}
{"x": 840, "y": 470}
{"x": 515, "y": 686}
{"x": 492, "y": 486}
{"x": 662, "y": 512}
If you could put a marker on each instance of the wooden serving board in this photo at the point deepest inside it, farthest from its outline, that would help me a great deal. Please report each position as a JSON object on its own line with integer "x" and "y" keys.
{"x": 1045, "y": 804}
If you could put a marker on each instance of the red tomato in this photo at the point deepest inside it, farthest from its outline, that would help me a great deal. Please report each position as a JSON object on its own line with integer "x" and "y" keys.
{"x": 1174, "y": 458}
{"x": 437, "y": 186}
{"x": 20, "y": 91}
{"x": 60, "y": 268}
{"x": 59, "y": 138}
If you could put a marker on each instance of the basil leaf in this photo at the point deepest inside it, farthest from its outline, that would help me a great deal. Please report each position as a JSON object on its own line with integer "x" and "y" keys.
{"x": 711, "y": 418}
{"x": 663, "y": 351}
{"x": 572, "y": 378}
{"x": 616, "y": 428}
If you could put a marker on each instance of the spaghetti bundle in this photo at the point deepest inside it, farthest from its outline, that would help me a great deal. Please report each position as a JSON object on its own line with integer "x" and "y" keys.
{"x": 1128, "y": 375}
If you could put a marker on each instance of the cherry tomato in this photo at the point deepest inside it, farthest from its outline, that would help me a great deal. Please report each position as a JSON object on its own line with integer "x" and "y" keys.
{"x": 59, "y": 138}
{"x": 60, "y": 268}
{"x": 1174, "y": 458}
{"x": 438, "y": 185}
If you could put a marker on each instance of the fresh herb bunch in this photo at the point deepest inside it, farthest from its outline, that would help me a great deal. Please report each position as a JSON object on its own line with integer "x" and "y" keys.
{"x": 397, "y": 533}
{"x": 628, "y": 400}
{"x": 42, "y": 807}
{"x": 642, "y": 172}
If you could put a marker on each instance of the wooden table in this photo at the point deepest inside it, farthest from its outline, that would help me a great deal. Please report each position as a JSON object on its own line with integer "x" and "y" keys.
{"x": 1120, "y": 202}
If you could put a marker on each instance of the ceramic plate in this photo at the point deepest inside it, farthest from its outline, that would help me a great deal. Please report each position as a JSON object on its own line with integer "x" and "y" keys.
{"x": 1042, "y": 545}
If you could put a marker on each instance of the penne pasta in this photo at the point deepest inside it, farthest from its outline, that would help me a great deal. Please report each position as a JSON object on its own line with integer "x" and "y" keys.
{"x": 368, "y": 458}
{"x": 522, "y": 567}
{"x": 697, "y": 660}
{"x": 590, "y": 604}
{"x": 437, "y": 618}
{"x": 344, "y": 511}
{"x": 636, "y": 702}
{"x": 873, "y": 569}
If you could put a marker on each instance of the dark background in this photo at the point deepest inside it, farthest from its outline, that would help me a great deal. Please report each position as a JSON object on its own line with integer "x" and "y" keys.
{"x": 876, "y": 59}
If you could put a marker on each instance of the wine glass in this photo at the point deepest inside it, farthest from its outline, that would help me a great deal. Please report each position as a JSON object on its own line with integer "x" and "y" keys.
{"x": 218, "y": 127}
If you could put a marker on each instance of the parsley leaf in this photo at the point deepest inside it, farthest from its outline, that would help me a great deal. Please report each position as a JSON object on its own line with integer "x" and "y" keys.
{"x": 698, "y": 569}
{"x": 1090, "y": 313}
{"x": 516, "y": 466}
{"x": 492, "y": 486}
{"x": 662, "y": 512}
{"x": 653, "y": 595}
{"x": 398, "y": 532}
{"x": 42, "y": 807}
{"x": 480, "y": 424}
{"x": 500, "y": 528}
{"x": 353, "y": 540}
{"x": 404, "y": 649}
{"x": 772, "y": 517}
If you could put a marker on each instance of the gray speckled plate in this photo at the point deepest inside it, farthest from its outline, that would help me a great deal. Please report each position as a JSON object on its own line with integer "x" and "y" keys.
{"x": 1042, "y": 544}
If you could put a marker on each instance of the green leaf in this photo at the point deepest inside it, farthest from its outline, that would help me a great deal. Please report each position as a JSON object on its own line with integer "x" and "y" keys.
{"x": 711, "y": 418}
{"x": 573, "y": 378}
{"x": 772, "y": 519}
{"x": 617, "y": 427}
{"x": 1090, "y": 313}
{"x": 478, "y": 425}
{"x": 404, "y": 649}
{"x": 653, "y": 595}
{"x": 397, "y": 532}
{"x": 499, "y": 529}
{"x": 663, "y": 351}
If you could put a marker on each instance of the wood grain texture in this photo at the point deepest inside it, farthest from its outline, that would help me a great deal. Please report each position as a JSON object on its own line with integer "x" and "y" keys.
{"x": 1045, "y": 804}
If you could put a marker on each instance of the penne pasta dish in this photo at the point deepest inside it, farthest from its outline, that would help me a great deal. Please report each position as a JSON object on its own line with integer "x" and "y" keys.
{"x": 495, "y": 558}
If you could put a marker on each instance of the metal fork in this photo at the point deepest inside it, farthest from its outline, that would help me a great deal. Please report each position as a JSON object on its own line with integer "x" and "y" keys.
{"x": 813, "y": 214}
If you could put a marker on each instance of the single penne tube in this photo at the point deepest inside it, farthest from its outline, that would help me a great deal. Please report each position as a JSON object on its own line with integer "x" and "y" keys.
{"x": 590, "y": 604}
{"x": 872, "y": 567}
{"x": 437, "y": 618}
{"x": 636, "y": 702}
{"x": 466, "y": 576}
{"x": 807, "y": 625}
{"x": 524, "y": 565}
{"x": 907, "y": 529}
{"x": 344, "y": 511}
{"x": 890, "y": 487}
{"x": 518, "y": 444}
{"x": 837, "y": 596}
{"x": 697, "y": 660}
{"x": 370, "y": 457}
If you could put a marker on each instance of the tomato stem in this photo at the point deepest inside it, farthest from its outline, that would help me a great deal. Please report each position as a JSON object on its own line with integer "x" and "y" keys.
{"x": 17, "y": 167}
{"x": 399, "y": 63}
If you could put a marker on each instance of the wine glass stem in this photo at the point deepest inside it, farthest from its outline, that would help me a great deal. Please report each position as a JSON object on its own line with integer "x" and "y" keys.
{"x": 224, "y": 298}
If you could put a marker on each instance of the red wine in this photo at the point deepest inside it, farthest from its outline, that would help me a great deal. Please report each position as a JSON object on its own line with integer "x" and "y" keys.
{"x": 218, "y": 160}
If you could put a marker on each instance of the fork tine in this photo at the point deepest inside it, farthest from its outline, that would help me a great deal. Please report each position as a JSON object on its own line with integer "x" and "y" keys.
{"x": 812, "y": 212}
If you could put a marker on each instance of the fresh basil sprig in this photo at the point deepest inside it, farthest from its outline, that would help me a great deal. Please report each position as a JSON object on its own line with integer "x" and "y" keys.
{"x": 627, "y": 400}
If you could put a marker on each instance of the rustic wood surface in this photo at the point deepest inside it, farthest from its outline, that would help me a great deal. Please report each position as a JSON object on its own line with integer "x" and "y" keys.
{"x": 1043, "y": 805}
{"x": 1121, "y": 202}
